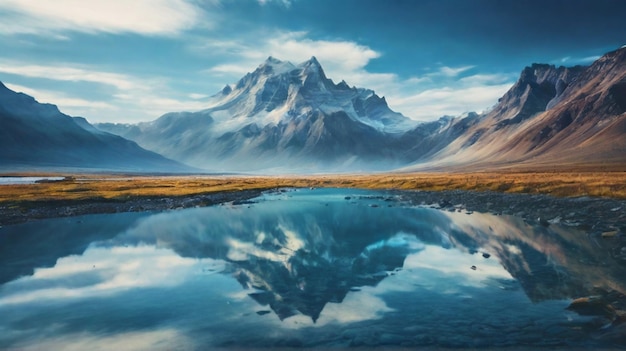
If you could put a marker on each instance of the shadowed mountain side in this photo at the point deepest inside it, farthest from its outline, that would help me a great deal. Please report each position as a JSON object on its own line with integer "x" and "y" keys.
{"x": 35, "y": 135}
{"x": 282, "y": 117}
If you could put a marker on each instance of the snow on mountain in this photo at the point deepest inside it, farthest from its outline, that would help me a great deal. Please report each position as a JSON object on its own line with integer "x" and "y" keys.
{"x": 280, "y": 114}
{"x": 292, "y": 118}
{"x": 278, "y": 91}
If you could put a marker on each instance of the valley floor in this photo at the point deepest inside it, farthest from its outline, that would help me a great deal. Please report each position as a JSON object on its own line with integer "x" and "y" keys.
{"x": 84, "y": 193}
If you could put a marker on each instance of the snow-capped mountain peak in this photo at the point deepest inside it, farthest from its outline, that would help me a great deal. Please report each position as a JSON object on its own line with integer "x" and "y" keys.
{"x": 312, "y": 66}
{"x": 279, "y": 91}
{"x": 281, "y": 116}
{"x": 275, "y": 66}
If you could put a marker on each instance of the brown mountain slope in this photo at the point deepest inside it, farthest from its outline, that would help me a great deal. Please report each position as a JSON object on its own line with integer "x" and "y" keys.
{"x": 551, "y": 117}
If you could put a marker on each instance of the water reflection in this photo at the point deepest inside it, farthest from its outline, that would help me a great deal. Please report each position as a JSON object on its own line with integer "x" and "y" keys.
{"x": 299, "y": 268}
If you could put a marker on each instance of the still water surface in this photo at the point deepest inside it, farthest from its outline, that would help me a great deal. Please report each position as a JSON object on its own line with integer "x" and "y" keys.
{"x": 302, "y": 268}
{"x": 26, "y": 180}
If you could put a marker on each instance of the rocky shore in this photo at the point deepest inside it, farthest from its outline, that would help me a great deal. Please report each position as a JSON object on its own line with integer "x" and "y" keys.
{"x": 19, "y": 212}
{"x": 601, "y": 217}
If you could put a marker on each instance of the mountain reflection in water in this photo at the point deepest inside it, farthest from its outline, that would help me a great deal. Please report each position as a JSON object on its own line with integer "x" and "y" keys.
{"x": 337, "y": 267}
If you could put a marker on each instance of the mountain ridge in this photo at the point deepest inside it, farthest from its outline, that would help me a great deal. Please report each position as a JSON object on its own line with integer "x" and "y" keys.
{"x": 280, "y": 117}
{"x": 286, "y": 118}
{"x": 40, "y": 136}
{"x": 551, "y": 117}
{"x": 281, "y": 114}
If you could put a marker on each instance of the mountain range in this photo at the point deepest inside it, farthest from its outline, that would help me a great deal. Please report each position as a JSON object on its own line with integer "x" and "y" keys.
{"x": 281, "y": 117}
{"x": 292, "y": 118}
{"x": 566, "y": 117}
{"x": 37, "y": 136}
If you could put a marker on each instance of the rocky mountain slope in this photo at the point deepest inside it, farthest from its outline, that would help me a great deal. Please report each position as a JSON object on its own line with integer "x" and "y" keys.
{"x": 552, "y": 117}
{"x": 282, "y": 117}
{"x": 38, "y": 136}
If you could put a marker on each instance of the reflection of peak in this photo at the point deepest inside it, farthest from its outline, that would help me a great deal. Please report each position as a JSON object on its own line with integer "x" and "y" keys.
{"x": 550, "y": 263}
{"x": 310, "y": 279}
{"x": 294, "y": 259}
{"x": 540, "y": 278}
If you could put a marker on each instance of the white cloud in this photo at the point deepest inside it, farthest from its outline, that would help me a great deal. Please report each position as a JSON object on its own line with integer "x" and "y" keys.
{"x": 569, "y": 60}
{"x": 339, "y": 58}
{"x": 196, "y": 96}
{"x": 230, "y": 70}
{"x": 160, "y": 339}
{"x": 286, "y": 3}
{"x": 67, "y": 73}
{"x": 450, "y": 100}
{"x": 148, "y": 17}
{"x": 425, "y": 97}
{"x": 345, "y": 55}
{"x": 452, "y": 72}
{"x": 134, "y": 99}
{"x": 59, "y": 99}
{"x": 490, "y": 79}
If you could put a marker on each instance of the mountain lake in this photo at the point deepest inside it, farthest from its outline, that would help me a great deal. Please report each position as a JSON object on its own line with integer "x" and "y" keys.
{"x": 307, "y": 268}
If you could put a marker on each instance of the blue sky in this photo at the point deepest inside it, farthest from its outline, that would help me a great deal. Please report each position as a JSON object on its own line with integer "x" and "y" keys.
{"x": 130, "y": 61}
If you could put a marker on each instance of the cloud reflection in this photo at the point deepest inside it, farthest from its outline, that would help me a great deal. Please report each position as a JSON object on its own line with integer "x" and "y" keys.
{"x": 115, "y": 269}
{"x": 299, "y": 266}
{"x": 167, "y": 339}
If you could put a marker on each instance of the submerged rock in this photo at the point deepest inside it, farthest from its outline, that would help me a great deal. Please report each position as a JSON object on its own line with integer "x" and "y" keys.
{"x": 593, "y": 306}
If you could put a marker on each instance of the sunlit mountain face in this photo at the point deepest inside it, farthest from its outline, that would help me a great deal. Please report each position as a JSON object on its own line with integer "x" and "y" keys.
{"x": 281, "y": 117}
{"x": 308, "y": 268}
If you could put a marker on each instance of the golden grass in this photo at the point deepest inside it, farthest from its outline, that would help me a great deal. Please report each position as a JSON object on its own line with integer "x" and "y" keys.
{"x": 84, "y": 187}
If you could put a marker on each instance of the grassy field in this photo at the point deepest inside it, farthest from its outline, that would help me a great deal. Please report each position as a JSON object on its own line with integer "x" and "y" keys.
{"x": 120, "y": 187}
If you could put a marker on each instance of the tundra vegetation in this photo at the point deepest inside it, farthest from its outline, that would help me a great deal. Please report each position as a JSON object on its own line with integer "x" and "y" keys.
{"x": 125, "y": 187}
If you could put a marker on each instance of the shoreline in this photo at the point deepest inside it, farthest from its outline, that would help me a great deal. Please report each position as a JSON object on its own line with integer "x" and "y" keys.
{"x": 592, "y": 214}
{"x": 44, "y": 209}
{"x": 545, "y": 193}
{"x": 601, "y": 220}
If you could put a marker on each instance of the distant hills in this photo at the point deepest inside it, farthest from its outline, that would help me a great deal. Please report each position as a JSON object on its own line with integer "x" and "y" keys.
{"x": 35, "y": 136}
{"x": 292, "y": 118}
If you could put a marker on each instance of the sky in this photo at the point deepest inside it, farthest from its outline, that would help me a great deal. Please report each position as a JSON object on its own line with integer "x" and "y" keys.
{"x": 131, "y": 61}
